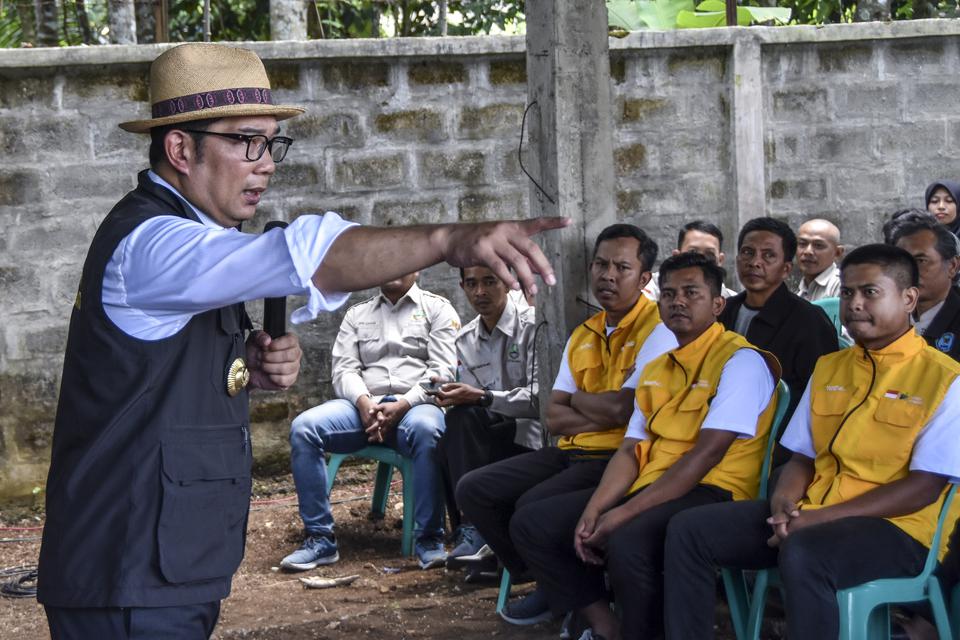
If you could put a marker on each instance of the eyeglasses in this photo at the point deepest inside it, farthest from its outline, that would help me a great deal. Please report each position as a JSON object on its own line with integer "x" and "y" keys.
{"x": 256, "y": 144}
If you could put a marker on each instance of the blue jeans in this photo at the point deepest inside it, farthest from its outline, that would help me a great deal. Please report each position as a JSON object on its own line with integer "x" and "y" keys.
{"x": 335, "y": 427}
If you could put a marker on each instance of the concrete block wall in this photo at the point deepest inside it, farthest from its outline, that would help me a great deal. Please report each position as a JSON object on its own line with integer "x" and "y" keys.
{"x": 856, "y": 130}
{"x": 856, "y": 119}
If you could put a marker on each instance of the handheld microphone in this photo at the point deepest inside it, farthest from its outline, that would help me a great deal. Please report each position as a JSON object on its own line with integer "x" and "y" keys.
{"x": 275, "y": 309}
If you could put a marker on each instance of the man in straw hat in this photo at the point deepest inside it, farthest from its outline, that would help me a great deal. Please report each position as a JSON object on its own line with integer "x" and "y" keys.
{"x": 149, "y": 480}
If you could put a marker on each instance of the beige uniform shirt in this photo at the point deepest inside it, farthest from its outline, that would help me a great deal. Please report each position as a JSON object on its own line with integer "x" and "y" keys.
{"x": 386, "y": 349}
{"x": 825, "y": 285}
{"x": 503, "y": 362}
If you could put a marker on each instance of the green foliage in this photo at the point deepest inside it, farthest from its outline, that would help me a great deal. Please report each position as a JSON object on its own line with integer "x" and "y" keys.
{"x": 713, "y": 13}
{"x": 481, "y": 16}
{"x": 10, "y": 32}
{"x": 633, "y": 15}
{"x": 229, "y": 20}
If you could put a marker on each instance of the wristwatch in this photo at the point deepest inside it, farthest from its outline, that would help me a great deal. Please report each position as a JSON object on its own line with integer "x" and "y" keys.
{"x": 487, "y": 399}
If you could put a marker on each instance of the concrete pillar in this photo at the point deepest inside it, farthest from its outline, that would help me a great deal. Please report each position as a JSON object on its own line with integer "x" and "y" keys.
{"x": 569, "y": 153}
{"x": 747, "y": 114}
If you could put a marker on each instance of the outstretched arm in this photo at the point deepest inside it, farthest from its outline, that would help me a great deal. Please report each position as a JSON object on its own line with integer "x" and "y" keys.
{"x": 363, "y": 257}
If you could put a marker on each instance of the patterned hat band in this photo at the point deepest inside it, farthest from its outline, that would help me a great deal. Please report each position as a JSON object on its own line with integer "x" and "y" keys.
{"x": 211, "y": 100}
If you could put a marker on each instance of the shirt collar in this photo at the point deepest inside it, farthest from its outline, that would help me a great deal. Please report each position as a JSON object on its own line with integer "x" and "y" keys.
{"x": 205, "y": 220}
{"x": 826, "y": 274}
{"x": 506, "y": 324}
{"x": 924, "y": 319}
{"x": 412, "y": 294}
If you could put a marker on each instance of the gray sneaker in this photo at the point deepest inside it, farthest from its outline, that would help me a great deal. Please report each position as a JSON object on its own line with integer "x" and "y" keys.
{"x": 430, "y": 552}
{"x": 316, "y": 550}
{"x": 530, "y": 609}
{"x": 469, "y": 542}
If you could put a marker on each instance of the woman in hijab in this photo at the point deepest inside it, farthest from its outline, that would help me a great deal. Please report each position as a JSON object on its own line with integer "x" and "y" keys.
{"x": 941, "y": 198}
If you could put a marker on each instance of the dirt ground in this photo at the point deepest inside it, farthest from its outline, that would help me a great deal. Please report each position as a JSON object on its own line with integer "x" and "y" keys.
{"x": 391, "y": 599}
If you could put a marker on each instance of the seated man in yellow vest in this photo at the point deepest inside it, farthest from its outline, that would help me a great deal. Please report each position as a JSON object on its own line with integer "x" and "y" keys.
{"x": 701, "y": 419}
{"x": 588, "y": 409}
{"x": 874, "y": 441}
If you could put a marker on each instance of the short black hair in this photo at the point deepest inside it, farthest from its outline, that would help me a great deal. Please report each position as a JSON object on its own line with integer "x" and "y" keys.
{"x": 903, "y": 217}
{"x": 647, "y": 251}
{"x": 157, "y": 135}
{"x": 946, "y": 242}
{"x": 895, "y": 262}
{"x": 713, "y": 273}
{"x": 787, "y": 237}
{"x": 703, "y": 227}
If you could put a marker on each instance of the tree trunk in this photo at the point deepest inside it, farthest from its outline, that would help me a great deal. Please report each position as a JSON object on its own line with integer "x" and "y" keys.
{"x": 288, "y": 20}
{"x": 28, "y": 21}
{"x": 872, "y": 10}
{"x": 123, "y": 22}
{"x": 48, "y": 24}
{"x": 443, "y": 17}
{"x": 146, "y": 21}
{"x": 375, "y": 21}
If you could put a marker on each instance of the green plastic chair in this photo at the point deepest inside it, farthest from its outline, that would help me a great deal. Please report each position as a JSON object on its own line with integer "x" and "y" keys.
{"x": 865, "y": 609}
{"x": 388, "y": 459}
{"x": 735, "y": 580}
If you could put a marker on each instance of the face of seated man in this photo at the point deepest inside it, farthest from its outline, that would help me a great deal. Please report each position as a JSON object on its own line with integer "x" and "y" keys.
{"x": 761, "y": 265}
{"x": 874, "y": 309}
{"x": 818, "y": 246}
{"x": 687, "y": 305}
{"x": 936, "y": 274}
{"x": 702, "y": 243}
{"x": 485, "y": 292}
{"x": 617, "y": 276}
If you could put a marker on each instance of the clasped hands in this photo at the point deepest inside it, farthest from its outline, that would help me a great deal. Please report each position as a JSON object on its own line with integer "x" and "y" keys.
{"x": 380, "y": 418}
{"x": 593, "y": 530}
{"x": 786, "y": 518}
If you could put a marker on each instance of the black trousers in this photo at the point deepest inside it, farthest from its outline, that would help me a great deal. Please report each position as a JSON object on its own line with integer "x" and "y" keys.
{"x": 543, "y": 532}
{"x": 185, "y": 622}
{"x": 489, "y": 496}
{"x": 474, "y": 437}
{"x": 814, "y": 564}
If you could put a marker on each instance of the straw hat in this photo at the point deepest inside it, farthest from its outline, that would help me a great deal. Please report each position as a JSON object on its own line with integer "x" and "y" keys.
{"x": 202, "y": 80}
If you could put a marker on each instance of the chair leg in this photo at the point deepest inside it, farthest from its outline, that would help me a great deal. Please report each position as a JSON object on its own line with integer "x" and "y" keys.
{"x": 859, "y": 623}
{"x": 381, "y": 489}
{"x": 504, "y": 593}
{"x": 408, "y": 508}
{"x": 736, "y": 589}
{"x": 332, "y": 467}
{"x": 757, "y": 603}
{"x": 940, "y": 616}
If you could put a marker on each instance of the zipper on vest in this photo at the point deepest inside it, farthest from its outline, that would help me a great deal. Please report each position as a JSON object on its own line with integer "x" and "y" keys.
{"x": 873, "y": 379}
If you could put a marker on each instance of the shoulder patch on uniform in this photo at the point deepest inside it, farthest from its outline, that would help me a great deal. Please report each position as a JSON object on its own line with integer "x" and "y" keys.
{"x": 945, "y": 342}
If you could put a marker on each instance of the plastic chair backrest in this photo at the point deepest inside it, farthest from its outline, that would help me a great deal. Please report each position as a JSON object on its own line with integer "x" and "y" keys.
{"x": 783, "y": 401}
{"x": 932, "y": 556}
{"x": 831, "y": 307}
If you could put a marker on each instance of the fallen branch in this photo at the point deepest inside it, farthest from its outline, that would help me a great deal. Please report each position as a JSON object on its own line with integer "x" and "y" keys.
{"x": 326, "y": 583}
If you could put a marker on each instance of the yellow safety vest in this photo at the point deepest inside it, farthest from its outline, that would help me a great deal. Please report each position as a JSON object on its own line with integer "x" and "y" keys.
{"x": 674, "y": 394}
{"x": 599, "y": 363}
{"x": 866, "y": 410}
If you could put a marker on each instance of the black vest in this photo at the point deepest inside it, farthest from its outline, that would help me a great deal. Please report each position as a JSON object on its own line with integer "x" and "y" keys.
{"x": 149, "y": 483}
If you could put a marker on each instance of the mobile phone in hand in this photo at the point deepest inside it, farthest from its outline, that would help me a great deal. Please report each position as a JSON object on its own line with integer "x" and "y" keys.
{"x": 431, "y": 387}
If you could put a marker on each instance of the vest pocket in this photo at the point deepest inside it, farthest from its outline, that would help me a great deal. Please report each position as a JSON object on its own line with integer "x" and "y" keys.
{"x": 831, "y": 403}
{"x": 900, "y": 413}
{"x": 206, "y": 488}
